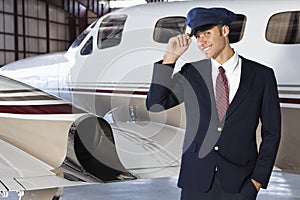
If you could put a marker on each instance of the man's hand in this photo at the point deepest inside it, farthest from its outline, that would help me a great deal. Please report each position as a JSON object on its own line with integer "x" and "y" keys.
{"x": 256, "y": 184}
{"x": 176, "y": 47}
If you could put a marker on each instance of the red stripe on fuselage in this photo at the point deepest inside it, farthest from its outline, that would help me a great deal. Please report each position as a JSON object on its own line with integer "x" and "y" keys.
{"x": 40, "y": 109}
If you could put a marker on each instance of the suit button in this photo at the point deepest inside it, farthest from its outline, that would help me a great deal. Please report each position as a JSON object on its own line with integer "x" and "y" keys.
{"x": 216, "y": 148}
{"x": 220, "y": 129}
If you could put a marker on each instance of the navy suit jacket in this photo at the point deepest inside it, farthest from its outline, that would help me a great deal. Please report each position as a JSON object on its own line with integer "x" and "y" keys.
{"x": 229, "y": 144}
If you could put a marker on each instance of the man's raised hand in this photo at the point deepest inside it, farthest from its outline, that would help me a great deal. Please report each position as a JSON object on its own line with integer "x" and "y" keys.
{"x": 176, "y": 47}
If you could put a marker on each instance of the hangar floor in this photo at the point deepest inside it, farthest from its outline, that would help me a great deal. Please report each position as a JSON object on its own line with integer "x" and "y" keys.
{"x": 282, "y": 186}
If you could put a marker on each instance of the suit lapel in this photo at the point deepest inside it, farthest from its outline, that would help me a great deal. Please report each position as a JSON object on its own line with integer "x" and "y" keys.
{"x": 204, "y": 68}
{"x": 247, "y": 76}
{"x": 212, "y": 136}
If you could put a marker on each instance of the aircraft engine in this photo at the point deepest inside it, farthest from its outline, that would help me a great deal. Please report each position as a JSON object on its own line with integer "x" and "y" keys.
{"x": 91, "y": 154}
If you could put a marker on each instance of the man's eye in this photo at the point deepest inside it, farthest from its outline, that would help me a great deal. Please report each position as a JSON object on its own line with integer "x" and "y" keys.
{"x": 207, "y": 33}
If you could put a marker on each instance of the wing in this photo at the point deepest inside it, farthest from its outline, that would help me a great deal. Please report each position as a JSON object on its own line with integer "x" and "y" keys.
{"x": 20, "y": 171}
{"x": 31, "y": 145}
{"x": 46, "y": 142}
{"x": 150, "y": 152}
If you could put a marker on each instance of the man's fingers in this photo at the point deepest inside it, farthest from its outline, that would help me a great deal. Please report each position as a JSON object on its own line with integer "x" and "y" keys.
{"x": 176, "y": 47}
{"x": 183, "y": 40}
{"x": 189, "y": 38}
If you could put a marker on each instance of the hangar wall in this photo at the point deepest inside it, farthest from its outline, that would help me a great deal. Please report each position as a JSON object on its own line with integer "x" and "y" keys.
{"x": 32, "y": 27}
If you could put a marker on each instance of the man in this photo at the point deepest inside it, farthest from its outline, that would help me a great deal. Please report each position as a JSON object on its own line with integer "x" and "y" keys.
{"x": 225, "y": 96}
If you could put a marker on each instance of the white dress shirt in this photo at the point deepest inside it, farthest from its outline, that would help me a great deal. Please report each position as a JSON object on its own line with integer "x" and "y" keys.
{"x": 233, "y": 69}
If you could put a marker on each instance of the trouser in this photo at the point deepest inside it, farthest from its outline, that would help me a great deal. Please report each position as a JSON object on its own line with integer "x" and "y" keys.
{"x": 216, "y": 192}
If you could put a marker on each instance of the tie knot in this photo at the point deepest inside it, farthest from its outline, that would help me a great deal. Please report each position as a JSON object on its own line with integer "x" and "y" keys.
{"x": 221, "y": 70}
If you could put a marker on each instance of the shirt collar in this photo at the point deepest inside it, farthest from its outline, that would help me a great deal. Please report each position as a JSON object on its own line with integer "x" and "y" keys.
{"x": 229, "y": 66}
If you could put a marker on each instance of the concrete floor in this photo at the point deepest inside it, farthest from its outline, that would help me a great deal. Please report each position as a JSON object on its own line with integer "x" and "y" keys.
{"x": 282, "y": 186}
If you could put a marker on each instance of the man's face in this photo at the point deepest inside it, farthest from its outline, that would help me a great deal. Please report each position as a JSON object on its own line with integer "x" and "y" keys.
{"x": 212, "y": 42}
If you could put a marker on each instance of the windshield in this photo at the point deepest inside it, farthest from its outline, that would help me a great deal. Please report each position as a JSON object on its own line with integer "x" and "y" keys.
{"x": 81, "y": 37}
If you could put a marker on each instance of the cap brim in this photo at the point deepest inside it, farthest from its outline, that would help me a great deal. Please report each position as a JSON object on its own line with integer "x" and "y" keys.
{"x": 202, "y": 28}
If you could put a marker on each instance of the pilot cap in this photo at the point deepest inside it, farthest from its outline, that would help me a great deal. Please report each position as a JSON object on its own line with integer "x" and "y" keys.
{"x": 201, "y": 19}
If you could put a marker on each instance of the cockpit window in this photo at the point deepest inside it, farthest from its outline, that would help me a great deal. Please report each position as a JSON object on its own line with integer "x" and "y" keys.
{"x": 88, "y": 47}
{"x": 110, "y": 31}
{"x": 283, "y": 28}
{"x": 168, "y": 27}
{"x": 81, "y": 37}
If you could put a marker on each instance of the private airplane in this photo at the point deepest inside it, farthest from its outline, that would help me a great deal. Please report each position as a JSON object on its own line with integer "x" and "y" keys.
{"x": 79, "y": 117}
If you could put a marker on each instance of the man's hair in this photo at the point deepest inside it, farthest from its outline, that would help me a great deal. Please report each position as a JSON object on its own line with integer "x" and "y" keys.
{"x": 220, "y": 29}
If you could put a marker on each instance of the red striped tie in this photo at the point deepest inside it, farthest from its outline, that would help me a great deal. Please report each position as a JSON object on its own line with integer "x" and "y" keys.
{"x": 222, "y": 93}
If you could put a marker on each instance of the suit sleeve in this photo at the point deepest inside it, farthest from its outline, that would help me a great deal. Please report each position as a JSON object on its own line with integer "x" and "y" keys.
{"x": 270, "y": 131}
{"x": 166, "y": 91}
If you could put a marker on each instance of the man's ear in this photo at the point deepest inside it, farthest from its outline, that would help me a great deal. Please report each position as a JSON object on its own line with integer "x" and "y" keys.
{"x": 225, "y": 30}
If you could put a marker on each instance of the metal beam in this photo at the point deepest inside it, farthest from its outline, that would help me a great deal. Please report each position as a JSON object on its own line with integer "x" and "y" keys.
{"x": 16, "y": 30}
{"x": 91, "y": 5}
